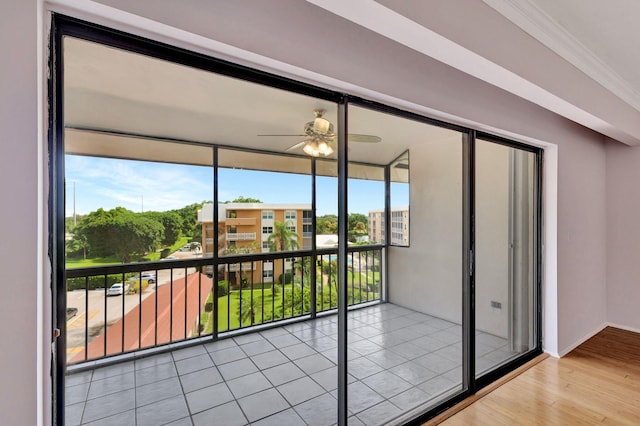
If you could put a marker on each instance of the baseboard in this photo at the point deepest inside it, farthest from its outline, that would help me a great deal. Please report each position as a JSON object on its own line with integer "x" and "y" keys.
{"x": 553, "y": 354}
{"x": 582, "y": 340}
{"x": 624, "y": 327}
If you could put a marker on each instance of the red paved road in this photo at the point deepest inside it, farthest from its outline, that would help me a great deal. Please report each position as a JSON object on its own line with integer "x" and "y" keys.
{"x": 170, "y": 319}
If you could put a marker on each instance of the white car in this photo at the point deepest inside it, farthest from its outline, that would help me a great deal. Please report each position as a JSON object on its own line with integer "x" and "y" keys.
{"x": 116, "y": 289}
{"x": 149, "y": 277}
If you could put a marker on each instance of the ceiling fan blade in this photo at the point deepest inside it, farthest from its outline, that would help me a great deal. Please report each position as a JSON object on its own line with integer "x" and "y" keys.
{"x": 296, "y": 146}
{"x": 356, "y": 137}
{"x": 300, "y": 136}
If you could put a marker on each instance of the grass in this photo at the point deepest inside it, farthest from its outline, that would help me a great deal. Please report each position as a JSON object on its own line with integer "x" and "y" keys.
{"x": 230, "y": 304}
{"x": 87, "y": 263}
{"x": 113, "y": 260}
{"x": 228, "y": 318}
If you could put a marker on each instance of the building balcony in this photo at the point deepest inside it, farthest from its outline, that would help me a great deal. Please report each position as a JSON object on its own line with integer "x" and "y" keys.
{"x": 262, "y": 351}
{"x": 241, "y": 236}
{"x": 285, "y": 375}
{"x": 240, "y": 221}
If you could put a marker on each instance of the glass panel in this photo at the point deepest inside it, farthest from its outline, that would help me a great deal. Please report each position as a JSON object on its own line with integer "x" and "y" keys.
{"x": 400, "y": 201}
{"x": 263, "y": 198}
{"x": 505, "y": 254}
{"x": 408, "y": 353}
{"x": 128, "y": 202}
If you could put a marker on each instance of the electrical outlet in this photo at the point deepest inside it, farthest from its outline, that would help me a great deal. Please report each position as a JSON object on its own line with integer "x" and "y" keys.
{"x": 496, "y": 305}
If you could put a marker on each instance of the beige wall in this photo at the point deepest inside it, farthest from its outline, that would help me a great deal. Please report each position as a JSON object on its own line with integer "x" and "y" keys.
{"x": 22, "y": 279}
{"x": 623, "y": 236}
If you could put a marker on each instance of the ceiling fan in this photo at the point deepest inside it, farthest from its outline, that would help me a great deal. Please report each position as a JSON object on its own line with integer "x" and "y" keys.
{"x": 320, "y": 137}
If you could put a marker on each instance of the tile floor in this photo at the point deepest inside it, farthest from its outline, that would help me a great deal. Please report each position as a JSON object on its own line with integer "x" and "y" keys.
{"x": 398, "y": 359}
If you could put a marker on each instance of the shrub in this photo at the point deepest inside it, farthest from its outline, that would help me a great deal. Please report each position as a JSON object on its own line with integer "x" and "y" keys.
{"x": 135, "y": 287}
{"x": 165, "y": 252}
{"x": 223, "y": 288}
{"x": 94, "y": 282}
{"x": 285, "y": 278}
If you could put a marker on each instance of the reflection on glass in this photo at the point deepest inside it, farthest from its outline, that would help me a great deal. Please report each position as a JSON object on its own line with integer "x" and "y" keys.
{"x": 505, "y": 253}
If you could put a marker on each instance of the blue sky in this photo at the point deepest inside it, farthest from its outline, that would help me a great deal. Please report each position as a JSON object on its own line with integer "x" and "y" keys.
{"x": 109, "y": 183}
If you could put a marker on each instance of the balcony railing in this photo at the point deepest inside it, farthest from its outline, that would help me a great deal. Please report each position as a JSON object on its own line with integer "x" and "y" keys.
{"x": 241, "y": 236}
{"x": 172, "y": 301}
{"x": 240, "y": 221}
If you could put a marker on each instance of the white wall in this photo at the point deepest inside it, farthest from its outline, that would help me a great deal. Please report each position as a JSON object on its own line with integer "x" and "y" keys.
{"x": 427, "y": 275}
{"x": 19, "y": 213}
{"x": 623, "y": 236}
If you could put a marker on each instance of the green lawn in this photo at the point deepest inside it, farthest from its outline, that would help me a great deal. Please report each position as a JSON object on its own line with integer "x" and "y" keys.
{"x": 88, "y": 263}
{"x": 229, "y": 305}
{"x": 112, "y": 260}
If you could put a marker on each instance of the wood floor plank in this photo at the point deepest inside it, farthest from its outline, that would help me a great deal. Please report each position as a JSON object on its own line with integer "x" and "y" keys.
{"x": 597, "y": 383}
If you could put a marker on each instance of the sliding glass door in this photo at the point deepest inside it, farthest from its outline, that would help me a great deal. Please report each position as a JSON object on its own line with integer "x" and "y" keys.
{"x": 346, "y": 262}
{"x": 506, "y": 244}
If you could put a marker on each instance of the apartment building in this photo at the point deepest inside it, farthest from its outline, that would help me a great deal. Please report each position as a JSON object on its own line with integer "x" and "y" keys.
{"x": 399, "y": 226}
{"x": 245, "y": 228}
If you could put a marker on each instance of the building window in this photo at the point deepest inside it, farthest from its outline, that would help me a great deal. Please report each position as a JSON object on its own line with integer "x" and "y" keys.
{"x": 290, "y": 215}
{"x": 265, "y": 245}
{"x": 267, "y": 215}
{"x": 267, "y": 230}
{"x": 307, "y": 216}
{"x": 307, "y": 231}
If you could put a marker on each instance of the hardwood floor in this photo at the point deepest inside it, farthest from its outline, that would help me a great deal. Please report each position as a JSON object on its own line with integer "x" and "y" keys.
{"x": 597, "y": 383}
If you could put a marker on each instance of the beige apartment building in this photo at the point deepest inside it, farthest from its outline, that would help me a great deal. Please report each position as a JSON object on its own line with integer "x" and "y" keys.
{"x": 245, "y": 228}
{"x": 399, "y": 226}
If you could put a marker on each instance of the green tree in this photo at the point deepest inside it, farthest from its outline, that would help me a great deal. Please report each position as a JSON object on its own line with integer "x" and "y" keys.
{"x": 327, "y": 224}
{"x": 172, "y": 224}
{"x": 189, "y": 215}
{"x": 248, "y": 308}
{"x": 76, "y": 246}
{"x": 354, "y": 218}
{"x": 242, "y": 199}
{"x": 120, "y": 232}
{"x": 282, "y": 238}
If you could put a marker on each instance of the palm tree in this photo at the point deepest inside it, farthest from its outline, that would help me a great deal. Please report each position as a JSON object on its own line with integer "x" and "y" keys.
{"x": 282, "y": 238}
{"x": 302, "y": 267}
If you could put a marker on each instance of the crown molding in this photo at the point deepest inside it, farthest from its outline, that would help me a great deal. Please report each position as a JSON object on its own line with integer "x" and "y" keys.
{"x": 537, "y": 23}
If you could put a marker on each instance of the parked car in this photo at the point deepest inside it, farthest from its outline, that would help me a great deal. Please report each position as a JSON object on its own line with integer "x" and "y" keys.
{"x": 116, "y": 289}
{"x": 71, "y": 312}
{"x": 149, "y": 276}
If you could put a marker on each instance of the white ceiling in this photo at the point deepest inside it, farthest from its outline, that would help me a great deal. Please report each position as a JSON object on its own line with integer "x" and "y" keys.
{"x": 599, "y": 38}
{"x": 606, "y": 29}
{"x": 575, "y": 58}
{"x": 117, "y": 103}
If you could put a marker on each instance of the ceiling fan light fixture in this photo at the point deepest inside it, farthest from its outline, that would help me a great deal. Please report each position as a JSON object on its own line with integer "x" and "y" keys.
{"x": 324, "y": 148}
{"x": 322, "y": 126}
{"x": 311, "y": 148}
{"x": 315, "y": 148}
